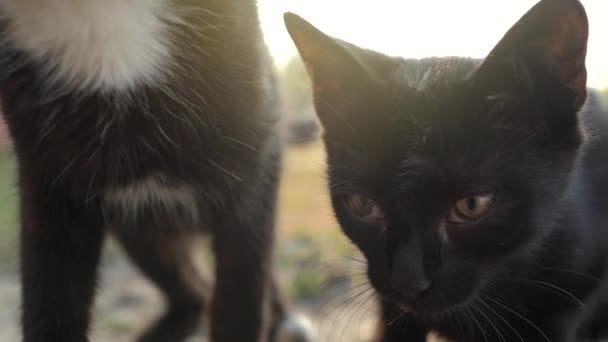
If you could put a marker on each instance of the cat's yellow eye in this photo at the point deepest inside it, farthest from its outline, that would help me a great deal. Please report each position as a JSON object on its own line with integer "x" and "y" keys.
{"x": 470, "y": 208}
{"x": 363, "y": 207}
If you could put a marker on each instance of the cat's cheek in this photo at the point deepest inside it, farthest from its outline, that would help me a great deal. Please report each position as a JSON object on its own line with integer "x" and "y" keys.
{"x": 490, "y": 241}
{"x": 377, "y": 265}
{"x": 378, "y": 277}
{"x": 371, "y": 239}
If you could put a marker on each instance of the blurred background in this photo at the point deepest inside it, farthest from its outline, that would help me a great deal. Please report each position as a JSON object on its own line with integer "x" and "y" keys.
{"x": 320, "y": 271}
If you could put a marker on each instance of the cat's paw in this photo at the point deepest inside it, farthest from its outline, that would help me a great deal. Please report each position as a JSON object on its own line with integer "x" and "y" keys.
{"x": 295, "y": 328}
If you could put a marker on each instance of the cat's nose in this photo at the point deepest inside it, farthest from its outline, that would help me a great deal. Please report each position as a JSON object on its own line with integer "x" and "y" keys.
{"x": 409, "y": 288}
{"x": 408, "y": 277}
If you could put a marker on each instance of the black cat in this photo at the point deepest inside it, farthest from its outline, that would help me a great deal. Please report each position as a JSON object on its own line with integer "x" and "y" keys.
{"x": 475, "y": 189}
{"x": 152, "y": 120}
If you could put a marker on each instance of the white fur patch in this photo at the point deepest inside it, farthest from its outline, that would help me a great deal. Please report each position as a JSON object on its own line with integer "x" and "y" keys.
{"x": 435, "y": 337}
{"x": 102, "y": 45}
{"x": 296, "y": 328}
{"x": 153, "y": 192}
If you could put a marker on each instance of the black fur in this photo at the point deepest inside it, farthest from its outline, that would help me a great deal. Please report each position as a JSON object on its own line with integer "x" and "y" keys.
{"x": 212, "y": 129}
{"x": 414, "y": 136}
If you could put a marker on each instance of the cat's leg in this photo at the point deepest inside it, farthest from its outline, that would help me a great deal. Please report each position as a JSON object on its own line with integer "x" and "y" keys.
{"x": 247, "y": 304}
{"x": 165, "y": 257}
{"x": 243, "y": 247}
{"x": 243, "y": 239}
{"x": 60, "y": 250}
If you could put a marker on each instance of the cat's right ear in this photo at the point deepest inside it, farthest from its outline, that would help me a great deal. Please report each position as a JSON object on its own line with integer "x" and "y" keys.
{"x": 338, "y": 76}
{"x": 545, "y": 52}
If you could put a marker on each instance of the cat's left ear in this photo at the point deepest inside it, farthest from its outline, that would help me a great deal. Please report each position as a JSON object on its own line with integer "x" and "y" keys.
{"x": 336, "y": 68}
{"x": 546, "y": 50}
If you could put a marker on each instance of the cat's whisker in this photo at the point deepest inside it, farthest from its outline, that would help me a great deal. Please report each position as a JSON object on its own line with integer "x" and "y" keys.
{"x": 334, "y": 301}
{"x": 480, "y": 310}
{"x": 520, "y": 316}
{"x": 359, "y": 276}
{"x": 342, "y": 307}
{"x": 349, "y": 310}
{"x": 558, "y": 289}
{"x": 357, "y": 270}
{"x": 353, "y": 312}
{"x": 358, "y": 260}
{"x": 462, "y": 320}
{"x": 372, "y": 304}
{"x": 343, "y": 293}
{"x": 575, "y": 273}
{"x": 501, "y": 318}
{"x": 467, "y": 318}
{"x": 399, "y": 316}
{"x": 481, "y": 329}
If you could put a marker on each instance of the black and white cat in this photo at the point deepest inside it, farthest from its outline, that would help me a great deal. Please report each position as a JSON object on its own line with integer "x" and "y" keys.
{"x": 152, "y": 120}
{"x": 476, "y": 189}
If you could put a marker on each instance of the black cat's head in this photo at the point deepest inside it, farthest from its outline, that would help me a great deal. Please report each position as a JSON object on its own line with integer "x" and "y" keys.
{"x": 446, "y": 172}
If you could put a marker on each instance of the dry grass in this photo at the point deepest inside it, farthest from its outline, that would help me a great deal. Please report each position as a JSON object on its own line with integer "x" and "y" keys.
{"x": 303, "y": 198}
{"x": 311, "y": 249}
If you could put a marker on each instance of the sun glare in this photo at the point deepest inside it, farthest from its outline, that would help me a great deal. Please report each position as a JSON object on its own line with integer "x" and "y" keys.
{"x": 422, "y": 28}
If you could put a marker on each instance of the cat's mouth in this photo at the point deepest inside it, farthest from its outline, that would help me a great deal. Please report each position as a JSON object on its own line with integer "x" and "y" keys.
{"x": 408, "y": 306}
{"x": 429, "y": 303}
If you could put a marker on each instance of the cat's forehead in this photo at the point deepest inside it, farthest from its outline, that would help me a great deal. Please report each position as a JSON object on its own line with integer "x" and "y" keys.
{"x": 444, "y": 92}
{"x": 441, "y": 90}
{"x": 448, "y": 123}
{"x": 428, "y": 73}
